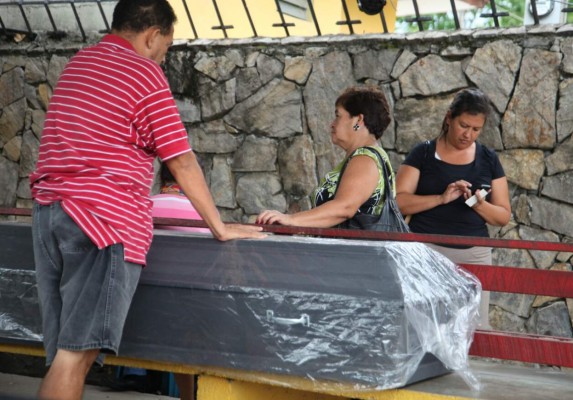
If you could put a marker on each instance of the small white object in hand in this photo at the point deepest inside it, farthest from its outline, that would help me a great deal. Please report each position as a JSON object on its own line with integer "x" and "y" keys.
{"x": 473, "y": 200}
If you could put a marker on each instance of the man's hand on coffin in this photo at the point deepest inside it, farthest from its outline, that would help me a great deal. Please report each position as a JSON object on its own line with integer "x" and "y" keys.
{"x": 190, "y": 178}
{"x": 237, "y": 231}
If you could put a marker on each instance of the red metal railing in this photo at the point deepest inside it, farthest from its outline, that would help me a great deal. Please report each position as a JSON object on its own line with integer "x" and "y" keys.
{"x": 510, "y": 279}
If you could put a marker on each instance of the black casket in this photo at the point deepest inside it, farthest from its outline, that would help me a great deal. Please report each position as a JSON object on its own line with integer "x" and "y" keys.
{"x": 372, "y": 314}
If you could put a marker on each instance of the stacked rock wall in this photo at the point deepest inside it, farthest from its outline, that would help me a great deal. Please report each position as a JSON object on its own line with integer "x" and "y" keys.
{"x": 258, "y": 114}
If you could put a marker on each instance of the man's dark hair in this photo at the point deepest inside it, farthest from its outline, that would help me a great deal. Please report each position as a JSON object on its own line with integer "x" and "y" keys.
{"x": 138, "y": 15}
{"x": 370, "y": 102}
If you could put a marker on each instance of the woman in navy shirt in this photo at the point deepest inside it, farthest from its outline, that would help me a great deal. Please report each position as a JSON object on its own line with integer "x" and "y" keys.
{"x": 438, "y": 176}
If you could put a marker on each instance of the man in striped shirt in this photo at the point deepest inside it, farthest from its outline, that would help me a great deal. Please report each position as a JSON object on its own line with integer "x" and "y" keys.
{"x": 110, "y": 115}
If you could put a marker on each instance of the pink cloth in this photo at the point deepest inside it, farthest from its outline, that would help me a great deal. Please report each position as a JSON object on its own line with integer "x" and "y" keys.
{"x": 174, "y": 206}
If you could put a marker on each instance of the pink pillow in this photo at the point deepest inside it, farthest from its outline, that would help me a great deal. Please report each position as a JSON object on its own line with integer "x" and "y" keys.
{"x": 173, "y": 206}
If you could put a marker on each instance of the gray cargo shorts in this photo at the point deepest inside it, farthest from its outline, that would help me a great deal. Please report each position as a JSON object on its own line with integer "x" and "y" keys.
{"x": 84, "y": 292}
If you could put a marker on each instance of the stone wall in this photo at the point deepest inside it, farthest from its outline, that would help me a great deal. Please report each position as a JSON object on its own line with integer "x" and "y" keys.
{"x": 258, "y": 113}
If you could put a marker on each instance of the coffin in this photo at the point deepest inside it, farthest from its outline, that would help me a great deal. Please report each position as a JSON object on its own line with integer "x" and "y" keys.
{"x": 372, "y": 314}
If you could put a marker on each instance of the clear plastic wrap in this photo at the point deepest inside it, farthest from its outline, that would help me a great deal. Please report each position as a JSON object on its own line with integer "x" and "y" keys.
{"x": 370, "y": 315}
{"x": 364, "y": 315}
{"x": 438, "y": 311}
{"x": 19, "y": 310}
{"x": 441, "y": 306}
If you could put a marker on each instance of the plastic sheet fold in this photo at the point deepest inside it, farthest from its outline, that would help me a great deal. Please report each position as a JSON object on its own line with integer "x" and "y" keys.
{"x": 19, "y": 309}
{"x": 388, "y": 339}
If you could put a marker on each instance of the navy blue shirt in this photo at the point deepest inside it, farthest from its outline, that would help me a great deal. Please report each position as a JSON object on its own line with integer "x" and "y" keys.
{"x": 454, "y": 218}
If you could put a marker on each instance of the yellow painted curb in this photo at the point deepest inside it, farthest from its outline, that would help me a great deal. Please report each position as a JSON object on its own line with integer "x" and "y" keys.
{"x": 20, "y": 349}
{"x": 230, "y": 384}
{"x": 216, "y": 388}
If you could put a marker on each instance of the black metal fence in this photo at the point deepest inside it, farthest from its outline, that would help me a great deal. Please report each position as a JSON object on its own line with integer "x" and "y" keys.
{"x": 47, "y": 5}
{"x": 371, "y": 7}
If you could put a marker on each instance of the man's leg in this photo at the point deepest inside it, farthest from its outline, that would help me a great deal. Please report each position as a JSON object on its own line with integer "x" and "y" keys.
{"x": 186, "y": 384}
{"x": 84, "y": 293}
{"x": 66, "y": 376}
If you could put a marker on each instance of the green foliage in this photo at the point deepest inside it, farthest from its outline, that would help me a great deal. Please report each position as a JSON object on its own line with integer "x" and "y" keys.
{"x": 472, "y": 19}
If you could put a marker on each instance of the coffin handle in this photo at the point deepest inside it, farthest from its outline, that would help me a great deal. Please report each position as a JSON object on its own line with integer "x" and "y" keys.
{"x": 304, "y": 319}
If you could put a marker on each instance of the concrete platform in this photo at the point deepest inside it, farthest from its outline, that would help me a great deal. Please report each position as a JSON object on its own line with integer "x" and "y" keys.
{"x": 498, "y": 381}
{"x": 503, "y": 382}
{"x": 19, "y": 387}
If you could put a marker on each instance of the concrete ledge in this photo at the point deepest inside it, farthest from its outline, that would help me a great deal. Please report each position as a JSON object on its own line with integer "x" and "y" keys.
{"x": 498, "y": 381}
{"x": 502, "y": 382}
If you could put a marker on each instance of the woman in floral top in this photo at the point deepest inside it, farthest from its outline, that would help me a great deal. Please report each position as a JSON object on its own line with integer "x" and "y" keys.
{"x": 361, "y": 117}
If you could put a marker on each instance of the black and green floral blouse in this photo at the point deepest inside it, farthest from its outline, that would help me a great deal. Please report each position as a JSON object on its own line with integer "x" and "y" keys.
{"x": 327, "y": 188}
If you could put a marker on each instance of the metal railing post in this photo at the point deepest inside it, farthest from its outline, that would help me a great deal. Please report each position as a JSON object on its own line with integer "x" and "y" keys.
{"x": 494, "y": 14}
{"x": 347, "y": 20}
{"x": 383, "y": 19}
{"x": 313, "y": 14}
{"x": 107, "y": 28}
{"x": 455, "y": 13}
{"x": 3, "y": 26}
{"x": 534, "y": 11}
{"x": 50, "y": 16}
{"x": 78, "y": 20}
{"x": 190, "y": 19}
{"x": 221, "y": 25}
{"x": 283, "y": 23}
{"x": 418, "y": 18}
{"x": 249, "y": 17}
{"x": 20, "y": 6}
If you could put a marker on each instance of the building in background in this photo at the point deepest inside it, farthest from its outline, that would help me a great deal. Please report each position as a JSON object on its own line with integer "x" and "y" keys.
{"x": 548, "y": 12}
{"x": 264, "y": 14}
{"x": 216, "y": 19}
{"x": 405, "y": 8}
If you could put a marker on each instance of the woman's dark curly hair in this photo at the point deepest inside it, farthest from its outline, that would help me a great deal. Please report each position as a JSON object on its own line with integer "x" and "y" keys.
{"x": 370, "y": 102}
{"x": 138, "y": 15}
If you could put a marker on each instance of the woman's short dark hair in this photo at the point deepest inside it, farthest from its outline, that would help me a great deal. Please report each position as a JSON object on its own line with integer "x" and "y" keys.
{"x": 166, "y": 175}
{"x": 138, "y": 15}
{"x": 469, "y": 100}
{"x": 370, "y": 102}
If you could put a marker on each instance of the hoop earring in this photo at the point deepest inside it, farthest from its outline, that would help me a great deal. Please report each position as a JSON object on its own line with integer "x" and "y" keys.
{"x": 356, "y": 127}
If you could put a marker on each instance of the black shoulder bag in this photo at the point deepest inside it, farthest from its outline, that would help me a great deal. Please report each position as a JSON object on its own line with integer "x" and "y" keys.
{"x": 389, "y": 220}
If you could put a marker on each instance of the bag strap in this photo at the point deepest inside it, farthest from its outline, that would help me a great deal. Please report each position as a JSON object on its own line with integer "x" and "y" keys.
{"x": 387, "y": 183}
{"x": 426, "y": 148}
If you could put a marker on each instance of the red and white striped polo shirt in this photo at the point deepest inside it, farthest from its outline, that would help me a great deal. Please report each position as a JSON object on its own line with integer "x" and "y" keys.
{"x": 111, "y": 113}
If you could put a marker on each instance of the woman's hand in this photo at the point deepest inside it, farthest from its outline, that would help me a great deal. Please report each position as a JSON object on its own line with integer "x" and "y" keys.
{"x": 269, "y": 217}
{"x": 480, "y": 199}
{"x": 455, "y": 190}
{"x": 497, "y": 211}
{"x": 356, "y": 185}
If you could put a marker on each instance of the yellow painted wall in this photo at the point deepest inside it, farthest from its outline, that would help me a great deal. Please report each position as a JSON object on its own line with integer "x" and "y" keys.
{"x": 214, "y": 388}
{"x": 264, "y": 15}
{"x": 217, "y": 388}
